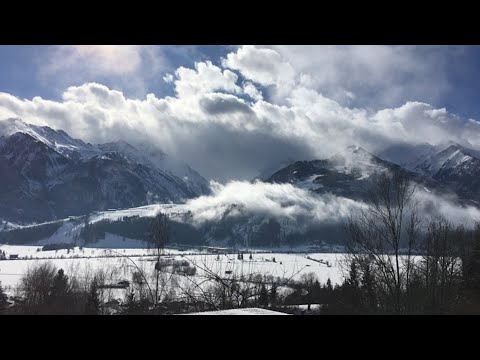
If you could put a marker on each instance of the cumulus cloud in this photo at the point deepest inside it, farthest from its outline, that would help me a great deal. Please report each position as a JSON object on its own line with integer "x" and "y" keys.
{"x": 263, "y": 66}
{"x": 221, "y": 104}
{"x": 252, "y": 91}
{"x": 205, "y": 78}
{"x": 225, "y": 137}
{"x": 420, "y": 122}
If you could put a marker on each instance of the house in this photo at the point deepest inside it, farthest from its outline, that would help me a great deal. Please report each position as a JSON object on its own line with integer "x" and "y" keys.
{"x": 13, "y": 257}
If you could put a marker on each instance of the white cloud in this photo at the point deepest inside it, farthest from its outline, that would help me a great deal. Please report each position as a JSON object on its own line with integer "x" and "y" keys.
{"x": 419, "y": 122}
{"x": 277, "y": 200}
{"x": 252, "y": 91}
{"x": 205, "y": 78}
{"x": 306, "y": 209}
{"x": 226, "y": 137}
{"x": 168, "y": 78}
{"x": 435, "y": 204}
{"x": 263, "y": 66}
{"x": 379, "y": 75}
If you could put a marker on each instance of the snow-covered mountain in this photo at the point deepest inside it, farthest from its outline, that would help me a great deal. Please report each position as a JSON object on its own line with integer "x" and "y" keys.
{"x": 153, "y": 157}
{"x": 348, "y": 173}
{"x": 47, "y": 174}
{"x": 427, "y": 159}
{"x": 57, "y": 140}
{"x": 451, "y": 164}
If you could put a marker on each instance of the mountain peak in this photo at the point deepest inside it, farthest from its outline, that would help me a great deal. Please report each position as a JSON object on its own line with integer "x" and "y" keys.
{"x": 355, "y": 149}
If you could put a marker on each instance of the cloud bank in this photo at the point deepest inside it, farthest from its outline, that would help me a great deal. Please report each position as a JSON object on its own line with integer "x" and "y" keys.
{"x": 282, "y": 201}
{"x": 305, "y": 209}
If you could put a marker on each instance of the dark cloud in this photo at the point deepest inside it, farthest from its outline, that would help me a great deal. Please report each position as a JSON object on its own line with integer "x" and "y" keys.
{"x": 221, "y": 105}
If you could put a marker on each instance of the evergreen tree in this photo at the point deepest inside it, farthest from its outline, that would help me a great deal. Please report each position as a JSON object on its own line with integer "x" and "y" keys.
{"x": 60, "y": 284}
{"x": 3, "y": 299}
{"x": 263, "y": 297}
{"x": 273, "y": 295}
{"x": 315, "y": 293}
{"x": 353, "y": 279}
{"x": 329, "y": 285}
{"x": 60, "y": 299}
{"x": 368, "y": 287}
{"x": 472, "y": 271}
{"x": 351, "y": 288}
{"x": 93, "y": 299}
{"x": 471, "y": 288}
{"x": 328, "y": 291}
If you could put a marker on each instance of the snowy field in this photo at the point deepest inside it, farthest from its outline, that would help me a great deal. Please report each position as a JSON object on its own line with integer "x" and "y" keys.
{"x": 119, "y": 263}
{"x": 245, "y": 311}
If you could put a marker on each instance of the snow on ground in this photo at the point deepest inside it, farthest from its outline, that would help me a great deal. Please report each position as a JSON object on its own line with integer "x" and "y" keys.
{"x": 308, "y": 183}
{"x": 245, "y": 311}
{"x": 118, "y": 263}
{"x": 113, "y": 241}
{"x": 142, "y": 211}
{"x": 289, "y": 266}
{"x": 63, "y": 235}
{"x": 71, "y": 227}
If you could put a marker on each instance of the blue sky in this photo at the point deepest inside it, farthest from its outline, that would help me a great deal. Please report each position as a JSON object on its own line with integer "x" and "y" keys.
{"x": 22, "y": 71}
{"x": 232, "y": 111}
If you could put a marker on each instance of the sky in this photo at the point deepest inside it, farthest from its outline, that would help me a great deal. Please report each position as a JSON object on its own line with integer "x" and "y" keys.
{"x": 232, "y": 111}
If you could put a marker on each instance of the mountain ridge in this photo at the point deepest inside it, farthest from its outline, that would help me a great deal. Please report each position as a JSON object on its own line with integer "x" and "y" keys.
{"x": 48, "y": 174}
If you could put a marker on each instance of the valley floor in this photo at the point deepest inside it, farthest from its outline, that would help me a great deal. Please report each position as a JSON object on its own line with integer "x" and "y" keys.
{"x": 120, "y": 263}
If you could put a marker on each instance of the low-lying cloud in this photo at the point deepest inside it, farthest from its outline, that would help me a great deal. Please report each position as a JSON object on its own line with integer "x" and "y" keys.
{"x": 280, "y": 201}
{"x": 431, "y": 205}
{"x": 305, "y": 208}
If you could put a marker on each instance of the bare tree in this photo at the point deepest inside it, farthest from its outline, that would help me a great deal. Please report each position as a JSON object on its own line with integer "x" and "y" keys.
{"x": 378, "y": 233}
{"x": 159, "y": 236}
{"x": 441, "y": 265}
